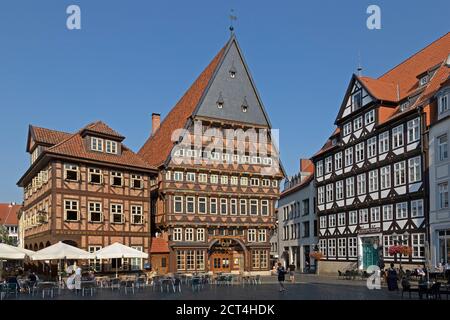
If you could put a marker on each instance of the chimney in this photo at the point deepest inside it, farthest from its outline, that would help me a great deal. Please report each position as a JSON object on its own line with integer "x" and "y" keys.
{"x": 156, "y": 121}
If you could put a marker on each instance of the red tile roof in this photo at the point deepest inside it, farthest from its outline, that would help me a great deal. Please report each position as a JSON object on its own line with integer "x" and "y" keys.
{"x": 8, "y": 214}
{"x": 157, "y": 148}
{"x": 402, "y": 81}
{"x": 47, "y": 136}
{"x": 159, "y": 245}
{"x": 102, "y": 128}
{"x": 297, "y": 187}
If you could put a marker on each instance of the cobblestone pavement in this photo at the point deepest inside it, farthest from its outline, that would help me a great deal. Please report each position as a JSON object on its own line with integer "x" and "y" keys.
{"x": 307, "y": 287}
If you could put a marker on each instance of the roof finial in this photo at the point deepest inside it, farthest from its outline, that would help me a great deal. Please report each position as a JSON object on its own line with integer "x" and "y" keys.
{"x": 359, "y": 70}
{"x": 232, "y": 18}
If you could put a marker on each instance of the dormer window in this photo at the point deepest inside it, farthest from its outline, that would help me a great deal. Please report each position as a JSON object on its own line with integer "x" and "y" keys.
{"x": 96, "y": 144}
{"x": 111, "y": 147}
{"x": 404, "y": 105}
{"x": 424, "y": 80}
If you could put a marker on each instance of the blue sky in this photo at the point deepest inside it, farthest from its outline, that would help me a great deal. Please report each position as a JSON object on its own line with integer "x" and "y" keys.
{"x": 132, "y": 58}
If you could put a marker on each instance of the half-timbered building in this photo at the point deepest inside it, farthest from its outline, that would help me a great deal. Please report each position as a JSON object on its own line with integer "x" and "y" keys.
{"x": 86, "y": 189}
{"x": 371, "y": 174}
{"x": 218, "y": 172}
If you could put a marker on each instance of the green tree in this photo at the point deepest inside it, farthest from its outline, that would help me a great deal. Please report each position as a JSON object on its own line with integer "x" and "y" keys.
{"x": 4, "y": 235}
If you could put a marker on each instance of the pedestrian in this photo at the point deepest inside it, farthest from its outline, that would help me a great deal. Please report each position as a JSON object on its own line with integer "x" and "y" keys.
{"x": 392, "y": 278}
{"x": 281, "y": 274}
{"x": 292, "y": 273}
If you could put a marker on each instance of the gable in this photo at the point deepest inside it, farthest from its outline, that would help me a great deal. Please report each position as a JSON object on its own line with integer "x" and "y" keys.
{"x": 233, "y": 92}
{"x": 356, "y": 98}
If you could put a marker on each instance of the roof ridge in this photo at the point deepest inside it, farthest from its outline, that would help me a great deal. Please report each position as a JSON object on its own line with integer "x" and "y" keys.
{"x": 415, "y": 54}
{"x": 38, "y": 127}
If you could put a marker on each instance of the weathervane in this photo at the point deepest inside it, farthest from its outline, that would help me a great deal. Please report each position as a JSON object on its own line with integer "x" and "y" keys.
{"x": 232, "y": 18}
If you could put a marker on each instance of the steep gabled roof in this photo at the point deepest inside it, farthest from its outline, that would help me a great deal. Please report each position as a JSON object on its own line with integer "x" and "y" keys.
{"x": 45, "y": 136}
{"x": 8, "y": 214}
{"x": 379, "y": 89}
{"x": 101, "y": 128}
{"x": 157, "y": 148}
{"x": 159, "y": 245}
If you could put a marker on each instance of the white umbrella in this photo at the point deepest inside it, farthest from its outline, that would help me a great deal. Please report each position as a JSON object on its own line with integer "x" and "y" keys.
{"x": 60, "y": 251}
{"x": 8, "y": 252}
{"x": 119, "y": 251}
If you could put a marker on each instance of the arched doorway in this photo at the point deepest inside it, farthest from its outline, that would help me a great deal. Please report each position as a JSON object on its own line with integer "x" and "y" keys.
{"x": 48, "y": 244}
{"x": 227, "y": 255}
{"x": 36, "y": 247}
{"x": 41, "y": 246}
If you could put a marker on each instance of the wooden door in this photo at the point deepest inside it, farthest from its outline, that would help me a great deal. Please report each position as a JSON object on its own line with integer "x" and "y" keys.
{"x": 220, "y": 262}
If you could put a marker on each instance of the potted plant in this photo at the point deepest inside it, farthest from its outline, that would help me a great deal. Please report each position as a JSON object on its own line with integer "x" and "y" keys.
{"x": 400, "y": 250}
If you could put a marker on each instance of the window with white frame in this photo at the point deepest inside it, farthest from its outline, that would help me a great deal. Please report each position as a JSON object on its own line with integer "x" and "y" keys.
{"x": 200, "y": 234}
{"x": 357, "y": 124}
{"x": 350, "y": 187}
{"x": 339, "y": 190}
{"x": 243, "y": 207}
{"x": 181, "y": 259}
{"x": 202, "y": 205}
{"x": 111, "y": 147}
{"x": 96, "y": 264}
{"x": 264, "y": 207}
{"x": 369, "y": 117}
{"x": 214, "y": 178}
{"x": 348, "y": 156}
{"x": 224, "y": 180}
{"x": 375, "y": 214}
{"x": 253, "y": 207}
{"x": 399, "y": 173}
{"x": 331, "y": 247}
{"x": 178, "y": 176}
{"x": 319, "y": 168}
{"x": 189, "y": 234}
{"x": 353, "y": 218}
{"x": 254, "y": 182}
{"x": 177, "y": 234}
{"x": 385, "y": 177}
{"x": 341, "y": 219}
{"x": 202, "y": 178}
{"x": 96, "y": 144}
{"x": 71, "y": 210}
{"x": 95, "y": 212}
{"x": 190, "y": 204}
{"x": 347, "y": 129}
{"x": 137, "y": 182}
{"x": 329, "y": 164}
{"x": 262, "y": 235}
{"x": 223, "y": 206}
{"x": 71, "y": 172}
{"x": 363, "y": 216}
{"x": 338, "y": 161}
{"x": 265, "y": 182}
{"x": 274, "y": 183}
{"x": 361, "y": 184}
{"x": 244, "y": 181}
{"x": 234, "y": 181}
{"x": 418, "y": 245}
{"x": 352, "y": 247}
{"x": 251, "y": 235}
{"x": 332, "y": 220}
{"x": 323, "y": 246}
{"x": 417, "y": 208}
{"x": 168, "y": 175}
{"x": 233, "y": 207}
{"x": 213, "y": 205}
{"x": 329, "y": 189}
{"x": 372, "y": 147}
{"x": 397, "y": 137}
{"x": 95, "y": 176}
{"x": 383, "y": 142}
{"x": 117, "y": 215}
{"x": 442, "y": 147}
{"x": 443, "y": 103}
{"x": 443, "y": 195}
{"x": 178, "y": 204}
{"x": 413, "y": 130}
{"x": 401, "y": 210}
{"x": 342, "y": 247}
{"x": 116, "y": 179}
{"x": 137, "y": 215}
{"x": 373, "y": 180}
{"x": 323, "y": 222}
{"x": 415, "y": 169}
{"x": 359, "y": 151}
{"x": 388, "y": 212}
{"x": 320, "y": 195}
{"x": 190, "y": 176}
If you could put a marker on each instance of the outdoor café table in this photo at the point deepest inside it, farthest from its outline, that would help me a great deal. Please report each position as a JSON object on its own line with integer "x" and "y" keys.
{"x": 425, "y": 287}
{"x": 167, "y": 282}
{"x": 88, "y": 284}
{"x": 47, "y": 286}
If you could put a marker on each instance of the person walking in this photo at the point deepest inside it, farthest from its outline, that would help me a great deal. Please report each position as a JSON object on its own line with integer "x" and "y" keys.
{"x": 281, "y": 275}
{"x": 292, "y": 273}
{"x": 392, "y": 278}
